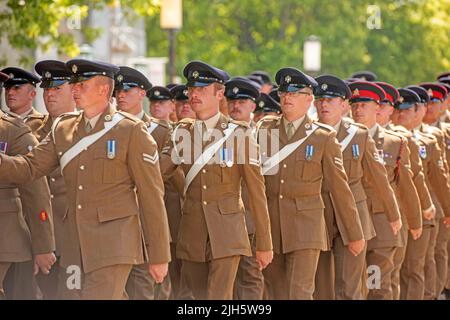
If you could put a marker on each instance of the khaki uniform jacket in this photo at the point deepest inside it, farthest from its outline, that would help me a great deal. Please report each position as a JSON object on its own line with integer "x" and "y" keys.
{"x": 359, "y": 160}
{"x": 35, "y": 120}
{"x": 103, "y": 226}
{"x": 60, "y": 203}
{"x": 213, "y": 225}
{"x": 436, "y": 176}
{"x": 294, "y": 196}
{"x": 416, "y": 168}
{"x": 394, "y": 152}
{"x": 174, "y": 186}
{"x": 445, "y": 127}
{"x": 25, "y": 209}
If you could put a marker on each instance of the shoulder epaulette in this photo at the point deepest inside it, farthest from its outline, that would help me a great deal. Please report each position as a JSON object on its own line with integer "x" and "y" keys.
{"x": 62, "y": 117}
{"x": 240, "y": 123}
{"x": 129, "y": 116}
{"x": 13, "y": 119}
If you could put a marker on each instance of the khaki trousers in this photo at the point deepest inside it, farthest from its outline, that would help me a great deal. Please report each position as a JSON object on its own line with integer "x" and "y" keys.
{"x": 249, "y": 283}
{"x": 292, "y": 275}
{"x": 325, "y": 276}
{"x": 211, "y": 280}
{"x": 141, "y": 286}
{"x": 430, "y": 266}
{"x": 4, "y": 267}
{"x": 399, "y": 257}
{"x": 381, "y": 259}
{"x": 441, "y": 256}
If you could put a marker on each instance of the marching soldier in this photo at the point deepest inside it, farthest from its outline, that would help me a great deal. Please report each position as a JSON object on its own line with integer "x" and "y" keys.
{"x": 241, "y": 95}
{"x": 131, "y": 88}
{"x": 410, "y": 113}
{"x": 360, "y": 162}
{"x": 385, "y": 111}
{"x": 20, "y": 91}
{"x": 182, "y": 107}
{"x": 393, "y": 152}
{"x": 212, "y": 234}
{"x": 437, "y": 262}
{"x": 58, "y": 100}
{"x": 309, "y": 156}
{"x": 31, "y": 199}
{"x": 104, "y": 156}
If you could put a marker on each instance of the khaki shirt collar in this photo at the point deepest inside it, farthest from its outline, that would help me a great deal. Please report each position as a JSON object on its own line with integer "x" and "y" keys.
{"x": 373, "y": 130}
{"x": 209, "y": 123}
{"x": 93, "y": 121}
{"x": 337, "y": 126}
{"x": 296, "y": 123}
{"x": 140, "y": 115}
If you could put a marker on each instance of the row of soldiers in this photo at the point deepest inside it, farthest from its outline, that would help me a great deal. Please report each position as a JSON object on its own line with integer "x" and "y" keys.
{"x": 354, "y": 204}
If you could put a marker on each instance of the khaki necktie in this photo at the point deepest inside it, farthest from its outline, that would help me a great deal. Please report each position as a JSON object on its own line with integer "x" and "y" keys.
{"x": 290, "y": 130}
{"x": 88, "y": 126}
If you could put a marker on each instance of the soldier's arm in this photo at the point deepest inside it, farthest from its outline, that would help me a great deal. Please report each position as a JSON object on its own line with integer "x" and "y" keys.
{"x": 35, "y": 198}
{"x": 439, "y": 179}
{"x": 343, "y": 201}
{"x": 251, "y": 174}
{"x": 419, "y": 178}
{"x": 406, "y": 191}
{"x": 144, "y": 169}
{"x": 167, "y": 164}
{"x": 376, "y": 173}
{"x": 39, "y": 162}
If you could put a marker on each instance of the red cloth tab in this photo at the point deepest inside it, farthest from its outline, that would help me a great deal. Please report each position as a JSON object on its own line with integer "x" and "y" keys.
{"x": 43, "y": 216}
{"x": 367, "y": 94}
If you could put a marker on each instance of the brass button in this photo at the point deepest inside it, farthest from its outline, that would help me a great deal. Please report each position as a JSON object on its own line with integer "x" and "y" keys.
{"x": 52, "y": 179}
{"x": 282, "y": 181}
{"x": 281, "y": 196}
{"x": 205, "y": 203}
{"x": 284, "y": 165}
{"x": 79, "y": 207}
{"x": 204, "y": 171}
{"x": 81, "y": 167}
{"x": 52, "y": 196}
{"x": 80, "y": 187}
{"x": 204, "y": 187}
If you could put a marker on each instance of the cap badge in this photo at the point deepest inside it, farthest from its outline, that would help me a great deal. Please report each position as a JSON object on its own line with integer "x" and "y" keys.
{"x": 108, "y": 117}
{"x": 288, "y": 79}
{"x": 261, "y": 104}
{"x": 74, "y": 68}
{"x": 185, "y": 92}
{"x": 235, "y": 90}
{"x": 401, "y": 99}
{"x": 48, "y": 74}
{"x": 119, "y": 78}
{"x": 430, "y": 92}
{"x": 356, "y": 92}
{"x": 11, "y": 75}
{"x": 195, "y": 74}
{"x": 307, "y": 126}
{"x": 324, "y": 86}
{"x": 157, "y": 93}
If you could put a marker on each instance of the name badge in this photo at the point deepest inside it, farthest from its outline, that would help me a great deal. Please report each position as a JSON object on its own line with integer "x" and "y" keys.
{"x": 309, "y": 152}
{"x": 111, "y": 149}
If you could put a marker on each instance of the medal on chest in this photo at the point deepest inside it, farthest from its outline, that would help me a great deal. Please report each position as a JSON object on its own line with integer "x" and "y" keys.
{"x": 355, "y": 151}
{"x": 309, "y": 152}
{"x": 111, "y": 149}
{"x": 3, "y": 147}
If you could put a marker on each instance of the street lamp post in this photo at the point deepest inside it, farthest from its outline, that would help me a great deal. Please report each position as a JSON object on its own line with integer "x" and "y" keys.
{"x": 312, "y": 49}
{"x": 171, "y": 20}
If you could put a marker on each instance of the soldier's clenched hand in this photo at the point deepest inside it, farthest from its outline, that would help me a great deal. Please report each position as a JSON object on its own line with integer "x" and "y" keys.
{"x": 44, "y": 262}
{"x": 356, "y": 247}
{"x": 158, "y": 271}
{"x": 416, "y": 233}
{"x": 396, "y": 226}
{"x": 264, "y": 258}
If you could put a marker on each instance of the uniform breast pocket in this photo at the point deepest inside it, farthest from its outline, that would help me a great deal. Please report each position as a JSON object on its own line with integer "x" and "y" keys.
{"x": 353, "y": 167}
{"x": 307, "y": 169}
{"x": 111, "y": 165}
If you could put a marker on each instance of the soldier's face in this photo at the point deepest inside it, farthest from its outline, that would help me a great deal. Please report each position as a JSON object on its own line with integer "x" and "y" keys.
{"x": 295, "y": 104}
{"x": 240, "y": 109}
{"x": 183, "y": 110}
{"x": 161, "y": 109}
{"x": 59, "y": 100}
{"x": 203, "y": 98}
{"x": 365, "y": 112}
{"x": 433, "y": 111}
{"x": 129, "y": 100}
{"x": 384, "y": 113}
{"x": 407, "y": 117}
{"x": 19, "y": 96}
{"x": 266, "y": 88}
{"x": 88, "y": 93}
{"x": 329, "y": 110}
